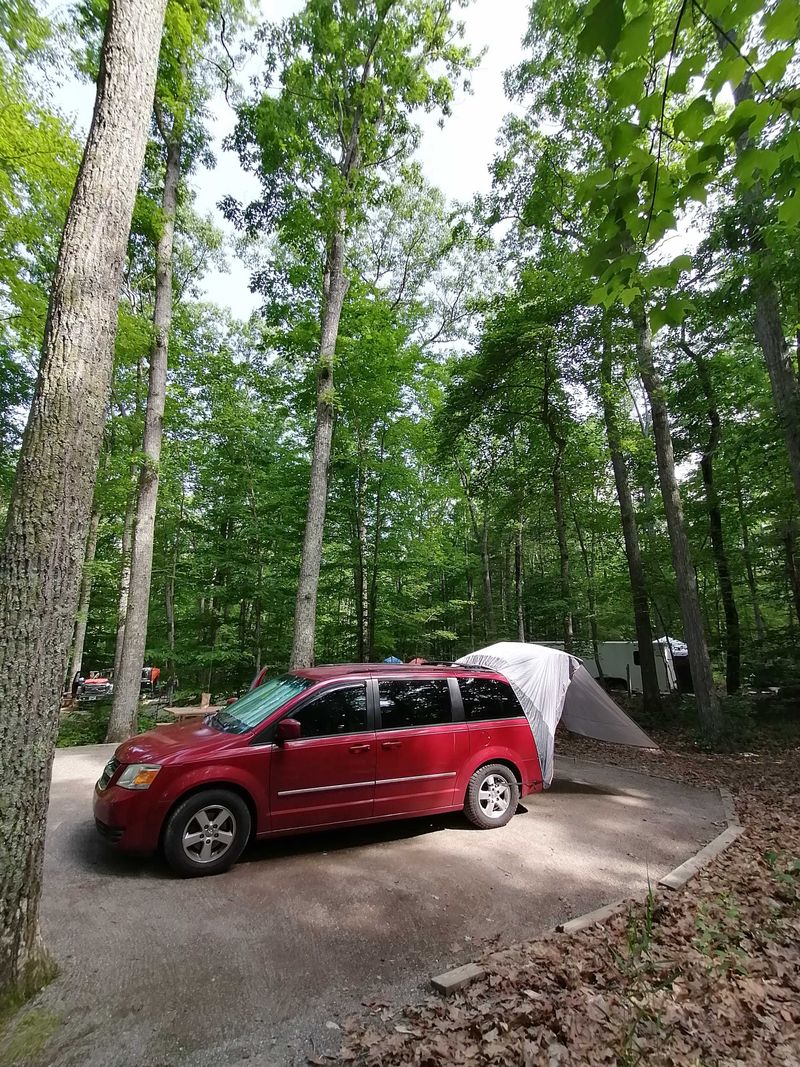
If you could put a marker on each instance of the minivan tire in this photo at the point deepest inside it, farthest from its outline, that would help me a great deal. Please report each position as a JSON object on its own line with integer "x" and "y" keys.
{"x": 206, "y": 833}
{"x": 492, "y": 796}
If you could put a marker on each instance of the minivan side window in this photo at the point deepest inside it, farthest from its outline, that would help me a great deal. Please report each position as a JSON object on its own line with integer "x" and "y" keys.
{"x": 488, "y": 698}
{"x": 414, "y": 703}
{"x": 337, "y": 711}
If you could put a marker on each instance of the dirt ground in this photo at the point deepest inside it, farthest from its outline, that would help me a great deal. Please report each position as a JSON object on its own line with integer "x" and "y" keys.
{"x": 263, "y": 964}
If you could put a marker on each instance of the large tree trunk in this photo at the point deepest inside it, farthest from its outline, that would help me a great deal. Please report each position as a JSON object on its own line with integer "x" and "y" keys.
{"x": 732, "y": 629}
{"x": 48, "y": 517}
{"x": 305, "y": 615}
{"x": 127, "y": 684}
{"x": 708, "y": 707}
{"x": 84, "y": 599}
{"x": 651, "y": 694}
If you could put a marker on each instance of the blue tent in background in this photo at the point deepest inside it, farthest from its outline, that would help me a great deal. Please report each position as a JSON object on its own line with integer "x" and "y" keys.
{"x": 392, "y": 659}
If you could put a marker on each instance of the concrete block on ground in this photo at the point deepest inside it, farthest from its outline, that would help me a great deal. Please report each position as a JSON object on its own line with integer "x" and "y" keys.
{"x": 681, "y": 875}
{"x": 591, "y": 918}
{"x": 459, "y": 977}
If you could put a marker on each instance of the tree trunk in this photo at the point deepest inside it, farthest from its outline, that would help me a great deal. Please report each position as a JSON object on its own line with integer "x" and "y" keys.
{"x": 84, "y": 599}
{"x": 48, "y": 516}
{"x": 127, "y": 684}
{"x": 519, "y": 581}
{"x": 651, "y": 694}
{"x": 768, "y": 325}
{"x": 708, "y": 707}
{"x": 559, "y": 443}
{"x": 376, "y": 550}
{"x": 124, "y": 577}
{"x": 732, "y": 630}
{"x": 305, "y": 616}
{"x": 360, "y": 571}
{"x": 792, "y": 574}
{"x": 591, "y": 597}
{"x": 746, "y": 554}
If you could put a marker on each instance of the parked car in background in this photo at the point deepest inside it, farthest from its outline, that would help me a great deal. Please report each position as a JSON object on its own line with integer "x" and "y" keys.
{"x": 98, "y": 686}
{"x": 323, "y": 747}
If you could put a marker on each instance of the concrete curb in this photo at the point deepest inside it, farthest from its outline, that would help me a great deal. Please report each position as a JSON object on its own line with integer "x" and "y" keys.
{"x": 462, "y": 976}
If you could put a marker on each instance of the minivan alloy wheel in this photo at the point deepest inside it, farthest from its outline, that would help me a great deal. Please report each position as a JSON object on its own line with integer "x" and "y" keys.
{"x": 494, "y": 796}
{"x": 209, "y": 834}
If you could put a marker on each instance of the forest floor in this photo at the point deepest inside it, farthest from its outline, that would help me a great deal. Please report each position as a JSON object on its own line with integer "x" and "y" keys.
{"x": 708, "y": 974}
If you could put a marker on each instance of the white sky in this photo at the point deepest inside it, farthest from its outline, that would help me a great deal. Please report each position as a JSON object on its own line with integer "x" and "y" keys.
{"x": 456, "y": 158}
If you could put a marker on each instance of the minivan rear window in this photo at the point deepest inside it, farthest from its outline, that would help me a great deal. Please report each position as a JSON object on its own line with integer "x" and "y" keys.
{"x": 256, "y": 705}
{"x": 410, "y": 703}
{"x": 488, "y": 698}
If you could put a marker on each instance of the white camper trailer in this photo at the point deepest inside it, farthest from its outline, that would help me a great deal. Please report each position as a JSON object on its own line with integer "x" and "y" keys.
{"x": 621, "y": 665}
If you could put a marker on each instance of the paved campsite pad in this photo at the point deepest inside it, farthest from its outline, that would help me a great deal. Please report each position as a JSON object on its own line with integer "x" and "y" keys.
{"x": 250, "y": 966}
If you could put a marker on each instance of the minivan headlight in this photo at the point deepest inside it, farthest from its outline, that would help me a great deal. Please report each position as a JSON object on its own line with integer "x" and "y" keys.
{"x": 139, "y": 775}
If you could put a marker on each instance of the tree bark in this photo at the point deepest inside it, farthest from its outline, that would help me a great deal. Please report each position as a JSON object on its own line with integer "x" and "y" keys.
{"x": 85, "y": 597}
{"x": 769, "y": 331}
{"x": 732, "y": 629}
{"x": 651, "y": 694}
{"x": 360, "y": 570}
{"x": 519, "y": 582}
{"x": 747, "y": 556}
{"x": 559, "y": 443}
{"x": 48, "y": 516}
{"x": 127, "y": 684}
{"x": 792, "y": 574}
{"x": 305, "y": 616}
{"x": 124, "y": 576}
{"x": 708, "y": 707}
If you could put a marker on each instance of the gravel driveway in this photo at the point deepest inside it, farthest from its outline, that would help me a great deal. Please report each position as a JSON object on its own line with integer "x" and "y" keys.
{"x": 258, "y": 965}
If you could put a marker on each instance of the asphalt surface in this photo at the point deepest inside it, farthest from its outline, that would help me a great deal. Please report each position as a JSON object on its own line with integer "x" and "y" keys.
{"x": 259, "y": 965}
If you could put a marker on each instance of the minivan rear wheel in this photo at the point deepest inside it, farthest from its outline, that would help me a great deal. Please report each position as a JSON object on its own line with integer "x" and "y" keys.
{"x": 206, "y": 833}
{"x": 492, "y": 796}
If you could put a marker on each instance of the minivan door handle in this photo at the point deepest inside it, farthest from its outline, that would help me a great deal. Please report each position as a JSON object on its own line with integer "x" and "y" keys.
{"x": 360, "y": 748}
{"x": 391, "y": 744}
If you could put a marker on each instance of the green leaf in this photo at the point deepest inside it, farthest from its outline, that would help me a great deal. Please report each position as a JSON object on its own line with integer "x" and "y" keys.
{"x": 623, "y": 135}
{"x": 627, "y": 296}
{"x": 789, "y": 211}
{"x": 781, "y": 25}
{"x": 765, "y": 161}
{"x": 649, "y": 108}
{"x": 686, "y": 69}
{"x": 690, "y": 121}
{"x": 635, "y": 39}
{"x": 775, "y": 67}
{"x": 602, "y": 28}
{"x": 658, "y": 319}
{"x": 626, "y": 88}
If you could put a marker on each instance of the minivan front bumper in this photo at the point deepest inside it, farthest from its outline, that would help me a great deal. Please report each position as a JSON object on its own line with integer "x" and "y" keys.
{"x": 121, "y": 819}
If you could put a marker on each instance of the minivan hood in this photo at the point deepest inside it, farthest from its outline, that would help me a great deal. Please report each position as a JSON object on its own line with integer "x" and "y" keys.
{"x": 170, "y": 743}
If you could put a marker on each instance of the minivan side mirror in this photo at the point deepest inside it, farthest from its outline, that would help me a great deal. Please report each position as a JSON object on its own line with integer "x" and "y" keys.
{"x": 287, "y": 730}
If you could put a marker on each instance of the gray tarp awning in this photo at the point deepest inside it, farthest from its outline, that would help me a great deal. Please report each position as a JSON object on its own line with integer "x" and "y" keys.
{"x": 552, "y": 685}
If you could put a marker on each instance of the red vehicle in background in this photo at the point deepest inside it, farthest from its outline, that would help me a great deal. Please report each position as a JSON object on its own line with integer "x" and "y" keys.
{"x": 321, "y": 747}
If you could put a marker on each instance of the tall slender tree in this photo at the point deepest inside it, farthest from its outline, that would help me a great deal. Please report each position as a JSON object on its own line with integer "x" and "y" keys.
{"x": 181, "y": 91}
{"x": 323, "y": 147}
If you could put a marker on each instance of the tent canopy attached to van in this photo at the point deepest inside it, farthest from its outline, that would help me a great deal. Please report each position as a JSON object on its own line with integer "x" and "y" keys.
{"x": 552, "y": 685}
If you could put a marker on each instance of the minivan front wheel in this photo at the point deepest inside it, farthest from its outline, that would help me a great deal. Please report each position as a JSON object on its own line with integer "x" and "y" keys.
{"x": 492, "y": 796}
{"x": 206, "y": 833}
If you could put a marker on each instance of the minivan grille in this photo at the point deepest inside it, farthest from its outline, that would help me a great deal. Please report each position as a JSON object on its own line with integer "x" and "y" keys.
{"x": 108, "y": 772}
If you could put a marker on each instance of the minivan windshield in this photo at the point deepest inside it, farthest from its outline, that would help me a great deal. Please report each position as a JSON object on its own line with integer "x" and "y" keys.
{"x": 253, "y": 708}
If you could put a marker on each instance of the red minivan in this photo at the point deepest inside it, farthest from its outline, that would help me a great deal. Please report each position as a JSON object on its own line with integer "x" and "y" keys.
{"x": 324, "y": 747}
